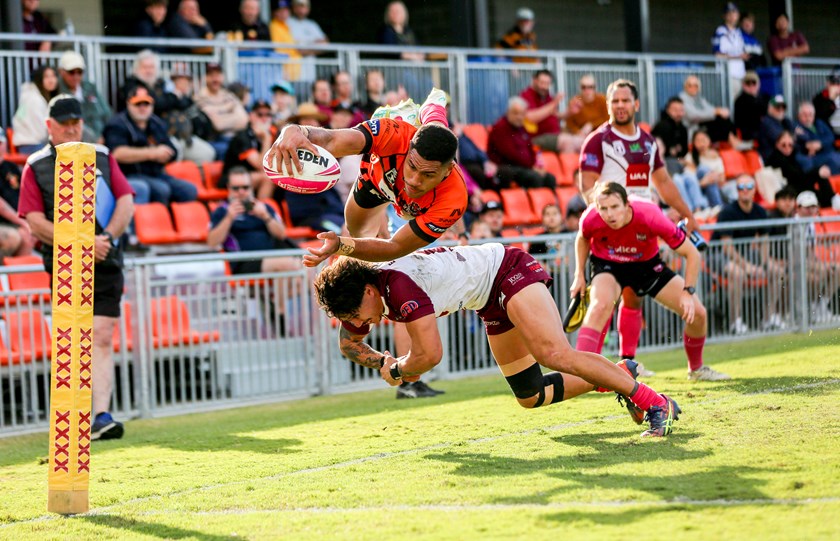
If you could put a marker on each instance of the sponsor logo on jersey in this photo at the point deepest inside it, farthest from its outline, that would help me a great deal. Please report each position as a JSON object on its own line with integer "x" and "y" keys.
{"x": 641, "y": 237}
{"x": 624, "y": 250}
{"x": 618, "y": 147}
{"x": 374, "y": 158}
{"x": 637, "y": 175}
{"x": 658, "y": 268}
{"x": 391, "y": 176}
{"x": 635, "y": 147}
{"x": 434, "y": 228}
{"x": 408, "y": 307}
{"x": 515, "y": 278}
{"x": 591, "y": 160}
{"x": 649, "y": 146}
{"x": 373, "y": 124}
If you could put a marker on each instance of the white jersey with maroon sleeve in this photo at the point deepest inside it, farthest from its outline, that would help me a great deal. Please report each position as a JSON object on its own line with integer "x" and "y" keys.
{"x": 456, "y": 278}
{"x": 627, "y": 160}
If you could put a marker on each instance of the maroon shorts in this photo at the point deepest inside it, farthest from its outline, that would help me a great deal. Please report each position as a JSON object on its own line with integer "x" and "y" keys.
{"x": 518, "y": 270}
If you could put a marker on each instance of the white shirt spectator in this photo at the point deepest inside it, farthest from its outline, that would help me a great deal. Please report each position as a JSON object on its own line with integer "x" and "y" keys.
{"x": 306, "y": 32}
{"x": 730, "y": 42}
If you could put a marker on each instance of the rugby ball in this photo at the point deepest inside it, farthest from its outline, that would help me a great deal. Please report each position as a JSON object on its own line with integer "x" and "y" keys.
{"x": 320, "y": 172}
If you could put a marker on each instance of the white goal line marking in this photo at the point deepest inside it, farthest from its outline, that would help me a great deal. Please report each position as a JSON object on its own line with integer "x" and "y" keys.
{"x": 380, "y": 456}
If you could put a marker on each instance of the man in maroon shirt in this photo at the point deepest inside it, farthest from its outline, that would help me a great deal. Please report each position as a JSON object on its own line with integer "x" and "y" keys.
{"x": 65, "y": 125}
{"x": 543, "y": 116}
{"x": 509, "y": 146}
{"x": 784, "y": 43}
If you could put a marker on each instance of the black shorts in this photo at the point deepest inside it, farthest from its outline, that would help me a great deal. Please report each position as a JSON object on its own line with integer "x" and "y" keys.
{"x": 108, "y": 285}
{"x": 248, "y": 266}
{"x": 367, "y": 196}
{"x": 644, "y": 278}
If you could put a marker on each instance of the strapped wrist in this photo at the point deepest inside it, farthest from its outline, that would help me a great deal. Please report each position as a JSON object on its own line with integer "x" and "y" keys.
{"x": 346, "y": 245}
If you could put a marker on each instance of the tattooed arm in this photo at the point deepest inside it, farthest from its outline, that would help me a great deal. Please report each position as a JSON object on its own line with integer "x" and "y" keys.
{"x": 353, "y": 348}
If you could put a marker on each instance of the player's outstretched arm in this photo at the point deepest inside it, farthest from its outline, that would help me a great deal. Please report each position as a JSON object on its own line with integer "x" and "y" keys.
{"x": 352, "y": 347}
{"x": 586, "y": 182}
{"x": 426, "y": 351}
{"x": 293, "y": 137}
{"x": 366, "y": 249}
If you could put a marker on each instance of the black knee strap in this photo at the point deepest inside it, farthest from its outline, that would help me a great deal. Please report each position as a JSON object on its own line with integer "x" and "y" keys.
{"x": 531, "y": 381}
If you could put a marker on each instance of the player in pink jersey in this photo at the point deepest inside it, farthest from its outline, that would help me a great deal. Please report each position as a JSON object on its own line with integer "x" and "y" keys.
{"x": 620, "y": 237}
{"x": 509, "y": 289}
{"x": 619, "y": 151}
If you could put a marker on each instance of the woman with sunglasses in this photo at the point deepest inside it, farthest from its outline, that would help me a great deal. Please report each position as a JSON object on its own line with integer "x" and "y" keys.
{"x": 815, "y": 180}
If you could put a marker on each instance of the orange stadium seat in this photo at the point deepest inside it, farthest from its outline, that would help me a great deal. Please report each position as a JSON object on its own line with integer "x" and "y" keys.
{"x": 212, "y": 173}
{"x": 190, "y": 172}
{"x": 171, "y": 324}
{"x": 734, "y": 163}
{"x": 12, "y": 154}
{"x": 511, "y": 233}
{"x": 570, "y": 163}
{"x": 27, "y": 280}
{"x": 644, "y": 126}
{"x": 753, "y": 160}
{"x": 154, "y": 225}
{"x": 29, "y": 337}
{"x": 292, "y": 231}
{"x": 835, "y": 183}
{"x": 540, "y": 198}
{"x": 490, "y": 195}
{"x": 192, "y": 221}
{"x": 552, "y": 165}
{"x": 518, "y": 209}
{"x": 564, "y": 195}
{"x": 478, "y": 134}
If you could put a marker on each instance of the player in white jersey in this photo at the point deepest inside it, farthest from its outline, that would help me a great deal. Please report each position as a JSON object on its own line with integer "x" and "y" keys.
{"x": 619, "y": 151}
{"x": 507, "y": 288}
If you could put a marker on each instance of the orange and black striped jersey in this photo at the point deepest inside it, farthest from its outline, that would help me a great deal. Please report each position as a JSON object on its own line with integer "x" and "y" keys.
{"x": 387, "y": 142}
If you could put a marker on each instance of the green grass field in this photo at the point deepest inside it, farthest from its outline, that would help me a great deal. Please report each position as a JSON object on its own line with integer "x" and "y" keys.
{"x": 753, "y": 458}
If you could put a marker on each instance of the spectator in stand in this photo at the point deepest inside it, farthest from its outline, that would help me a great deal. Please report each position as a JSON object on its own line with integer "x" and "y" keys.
{"x": 322, "y": 96}
{"x": 705, "y": 163}
{"x": 246, "y": 224}
{"x": 543, "y": 116}
{"x": 95, "y": 110}
{"x": 827, "y": 102}
{"x": 510, "y": 147}
{"x": 772, "y": 125}
{"x": 395, "y": 31}
{"x": 280, "y": 32}
{"x": 554, "y": 224}
{"x": 152, "y": 23}
{"x": 308, "y": 114}
{"x": 592, "y": 111}
{"x": 785, "y": 206}
{"x": 480, "y": 230}
{"x": 305, "y": 31}
{"x": 30, "y": 120}
{"x": 521, "y": 37}
{"x": 9, "y": 188}
{"x": 242, "y": 93}
{"x": 823, "y": 276}
{"x": 248, "y": 147}
{"x": 34, "y": 23}
{"x": 249, "y": 27}
{"x": 342, "y": 88}
{"x": 15, "y": 242}
{"x": 188, "y": 23}
{"x": 728, "y": 43}
{"x": 222, "y": 107}
{"x": 699, "y": 112}
{"x": 784, "y": 43}
{"x": 139, "y": 142}
{"x": 146, "y": 73}
{"x": 282, "y": 103}
{"x": 743, "y": 263}
{"x": 180, "y": 115}
{"x": 475, "y": 161}
{"x": 814, "y": 141}
{"x": 755, "y": 52}
{"x": 65, "y": 125}
{"x": 374, "y": 91}
{"x": 493, "y": 215}
{"x": 750, "y": 107}
{"x": 671, "y": 130}
{"x": 815, "y": 180}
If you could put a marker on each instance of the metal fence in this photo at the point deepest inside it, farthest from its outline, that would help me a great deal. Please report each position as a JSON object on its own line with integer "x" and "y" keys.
{"x": 480, "y": 80}
{"x": 193, "y": 338}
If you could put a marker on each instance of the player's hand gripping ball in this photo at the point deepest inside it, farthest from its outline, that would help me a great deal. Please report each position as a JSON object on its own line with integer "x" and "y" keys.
{"x": 320, "y": 173}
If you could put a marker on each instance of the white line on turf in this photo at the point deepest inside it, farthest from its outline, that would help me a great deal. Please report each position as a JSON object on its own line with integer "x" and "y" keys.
{"x": 380, "y": 456}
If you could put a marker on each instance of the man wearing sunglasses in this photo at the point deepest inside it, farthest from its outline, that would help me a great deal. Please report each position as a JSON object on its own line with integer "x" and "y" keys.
{"x": 139, "y": 141}
{"x": 248, "y": 147}
{"x": 593, "y": 108}
{"x": 95, "y": 110}
{"x": 747, "y": 264}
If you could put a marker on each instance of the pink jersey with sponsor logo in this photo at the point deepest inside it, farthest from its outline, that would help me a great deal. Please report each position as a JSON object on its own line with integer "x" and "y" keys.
{"x": 636, "y": 241}
{"x": 627, "y": 160}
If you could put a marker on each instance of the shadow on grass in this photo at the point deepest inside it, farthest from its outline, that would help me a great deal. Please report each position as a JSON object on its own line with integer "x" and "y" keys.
{"x": 584, "y": 469}
{"x": 139, "y": 527}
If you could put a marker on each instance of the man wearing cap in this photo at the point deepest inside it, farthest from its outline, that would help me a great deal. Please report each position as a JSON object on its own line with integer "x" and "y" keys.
{"x": 493, "y": 215}
{"x": 282, "y": 102}
{"x": 744, "y": 263}
{"x": 521, "y": 37}
{"x": 750, "y": 107}
{"x": 65, "y": 125}
{"x": 95, "y": 110}
{"x": 728, "y": 42}
{"x": 772, "y": 125}
{"x": 224, "y": 110}
{"x": 827, "y": 102}
{"x": 305, "y": 31}
{"x": 308, "y": 114}
{"x": 249, "y": 146}
{"x": 823, "y": 276}
{"x": 139, "y": 141}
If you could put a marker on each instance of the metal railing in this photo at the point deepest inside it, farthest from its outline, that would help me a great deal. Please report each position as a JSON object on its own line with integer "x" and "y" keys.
{"x": 193, "y": 338}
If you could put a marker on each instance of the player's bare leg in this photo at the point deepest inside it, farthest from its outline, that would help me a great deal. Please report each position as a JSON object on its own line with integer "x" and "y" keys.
{"x": 362, "y": 222}
{"x": 603, "y": 294}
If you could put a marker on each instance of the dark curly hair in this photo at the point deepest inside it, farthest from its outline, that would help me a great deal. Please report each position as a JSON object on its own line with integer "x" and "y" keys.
{"x": 340, "y": 286}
